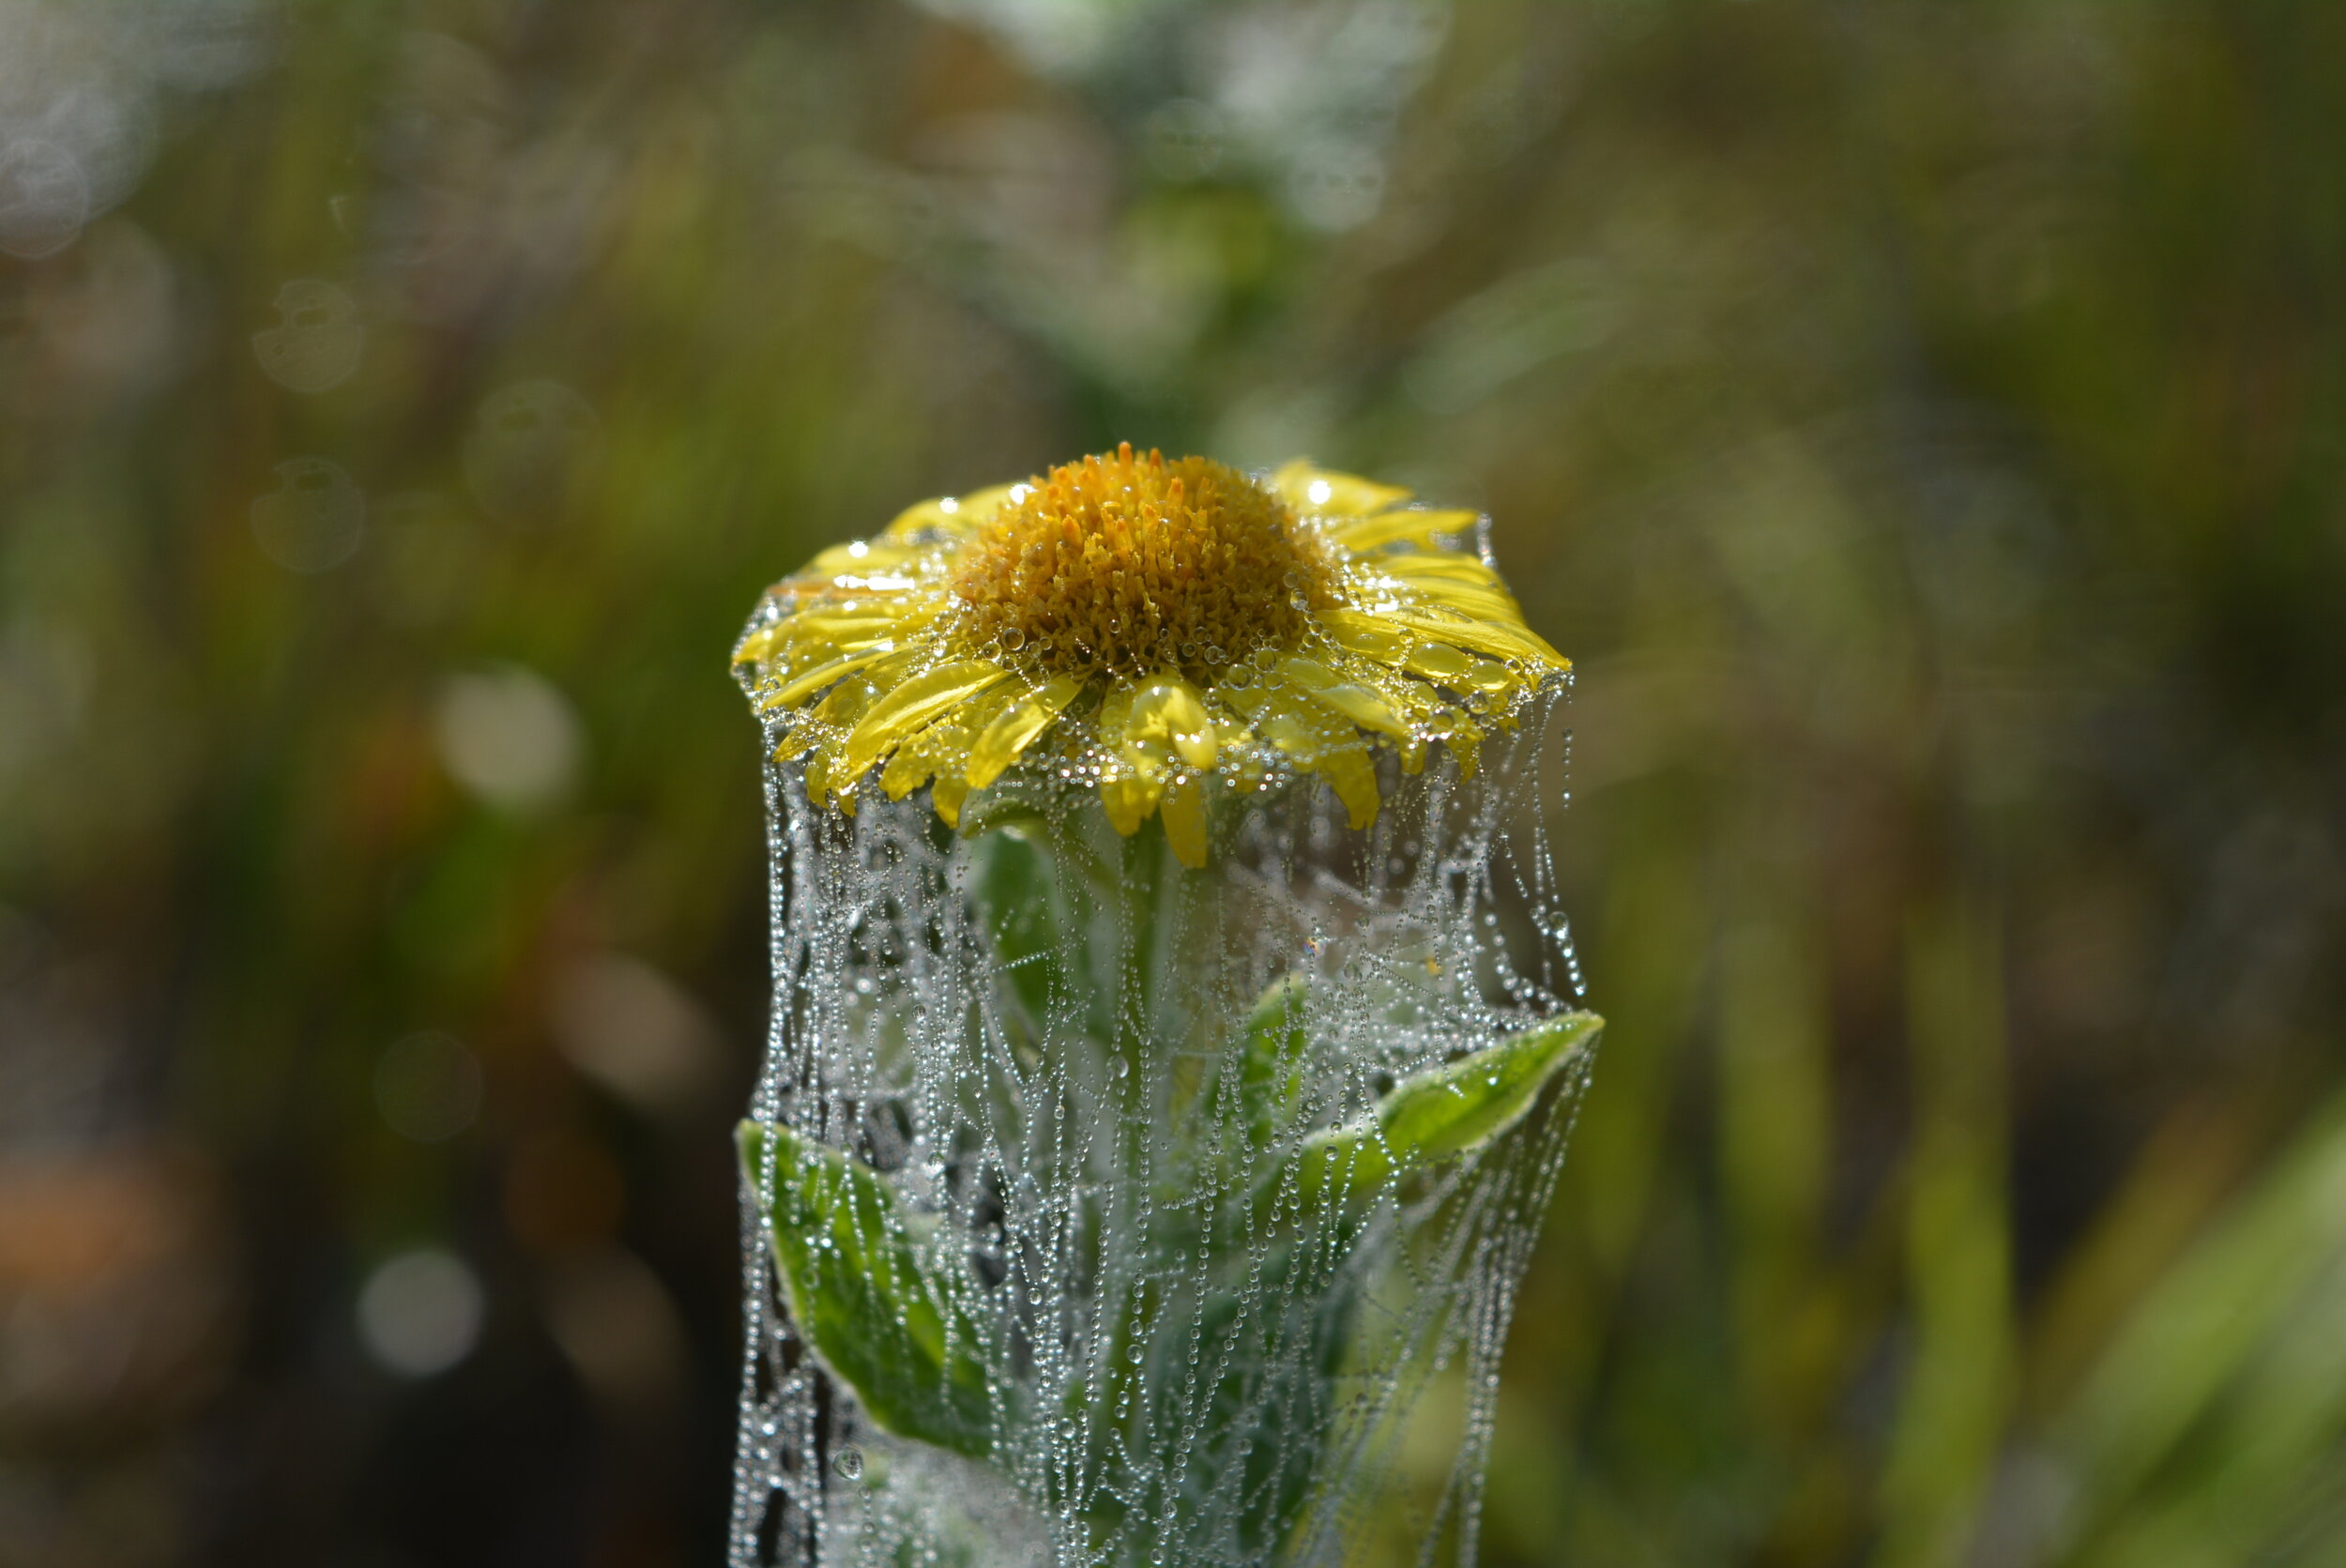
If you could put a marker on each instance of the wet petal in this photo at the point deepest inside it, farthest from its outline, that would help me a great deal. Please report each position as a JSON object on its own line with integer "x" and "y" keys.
{"x": 999, "y": 744}
{"x": 791, "y": 692}
{"x": 1504, "y": 641}
{"x": 1415, "y": 523}
{"x": 1437, "y": 660}
{"x": 1349, "y": 770}
{"x": 1184, "y": 809}
{"x": 904, "y": 709}
{"x": 943, "y": 746}
{"x": 1128, "y": 800}
{"x": 1364, "y": 635}
{"x": 947, "y": 796}
{"x": 759, "y": 643}
{"x": 1170, "y": 708}
{"x": 929, "y": 516}
{"x": 860, "y": 558}
{"x": 1319, "y": 743}
{"x": 1325, "y": 493}
{"x": 1482, "y": 603}
{"x": 1440, "y": 566}
{"x": 1356, "y": 702}
{"x": 845, "y": 706}
{"x": 906, "y": 772}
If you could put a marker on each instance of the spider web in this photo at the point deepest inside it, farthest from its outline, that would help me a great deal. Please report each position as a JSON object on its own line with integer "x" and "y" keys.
{"x": 1044, "y": 1051}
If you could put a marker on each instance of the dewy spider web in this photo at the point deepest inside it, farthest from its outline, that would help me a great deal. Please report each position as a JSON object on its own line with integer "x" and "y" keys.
{"x": 1128, "y": 1210}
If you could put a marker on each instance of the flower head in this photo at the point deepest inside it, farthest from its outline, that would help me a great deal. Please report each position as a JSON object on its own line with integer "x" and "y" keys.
{"x": 1156, "y": 628}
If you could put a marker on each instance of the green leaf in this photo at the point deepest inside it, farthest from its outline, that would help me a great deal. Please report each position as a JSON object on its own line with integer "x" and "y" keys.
{"x": 1270, "y": 1067}
{"x": 861, "y": 1294}
{"x": 1442, "y": 1113}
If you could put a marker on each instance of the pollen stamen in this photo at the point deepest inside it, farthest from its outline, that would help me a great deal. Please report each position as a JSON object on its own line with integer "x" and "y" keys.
{"x": 1124, "y": 565}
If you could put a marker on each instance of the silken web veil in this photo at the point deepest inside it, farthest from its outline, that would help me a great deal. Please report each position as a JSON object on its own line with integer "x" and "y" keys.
{"x": 1108, "y": 1208}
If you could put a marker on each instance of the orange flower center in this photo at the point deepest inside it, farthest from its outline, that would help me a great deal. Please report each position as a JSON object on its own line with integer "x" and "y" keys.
{"x": 1126, "y": 565}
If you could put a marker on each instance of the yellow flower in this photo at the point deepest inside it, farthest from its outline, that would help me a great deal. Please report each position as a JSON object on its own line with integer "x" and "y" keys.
{"x": 1173, "y": 627}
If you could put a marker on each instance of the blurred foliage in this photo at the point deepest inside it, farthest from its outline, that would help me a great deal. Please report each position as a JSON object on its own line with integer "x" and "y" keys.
{"x": 1923, "y": 421}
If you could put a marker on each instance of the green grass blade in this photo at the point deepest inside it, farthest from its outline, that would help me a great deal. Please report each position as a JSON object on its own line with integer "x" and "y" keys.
{"x": 2226, "y": 1307}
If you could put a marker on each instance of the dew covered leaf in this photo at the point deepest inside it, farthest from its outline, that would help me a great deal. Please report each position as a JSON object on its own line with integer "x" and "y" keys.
{"x": 1443, "y": 1112}
{"x": 863, "y": 1295}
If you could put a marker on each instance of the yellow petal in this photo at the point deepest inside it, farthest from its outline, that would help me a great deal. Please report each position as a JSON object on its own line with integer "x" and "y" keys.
{"x": 1437, "y": 660}
{"x": 760, "y": 643}
{"x": 942, "y": 748}
{"x": 1115, "y": 711}
{"x": 1317, "y": 742}
{"x": 1493, "y": 637}
{"x": 1442, "y": 663}
{"x": 906, "y": 772}
{"x": 1324, "y": 493}
{"x": 1359, "y": 703}
{"x": 980, "y": 506}
{"x": 1129, "y": 798}
{"x": 860, "y": 559}
{"x": 837, "y": 626}
{"x": 922, "y": 516}
{"x": 818, "y": 778}
{"x": 974, "y": 720}
{"x": 1169, "y": 709}
{"x": 1184, "y": 809}
{"x": 815, "y": 636}
{"x": 950, "y": 514}
{"x": 999, "y": 744}
{"x": 1354, "y": 779}
{"x": 1410, "y": 523}
{"x": 1133, "y": 775}
{"x": 1488, "y": 675}
{"x": 1439, "y": 566}
{"x": 1364, "y": 635}
{"x": 794, "y": 692}
{"x": 1466, "y": 744}
{"x": 1481, "y": 603}
{"x": 845, "y": 706}
{"x": 947, "y": 796}
{"x": 904, "y": 709}
{"x": 1418, "y": 705}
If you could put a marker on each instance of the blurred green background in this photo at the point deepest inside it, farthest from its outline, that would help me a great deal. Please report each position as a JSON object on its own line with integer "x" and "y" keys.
{"x": 1922, "y": 420}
